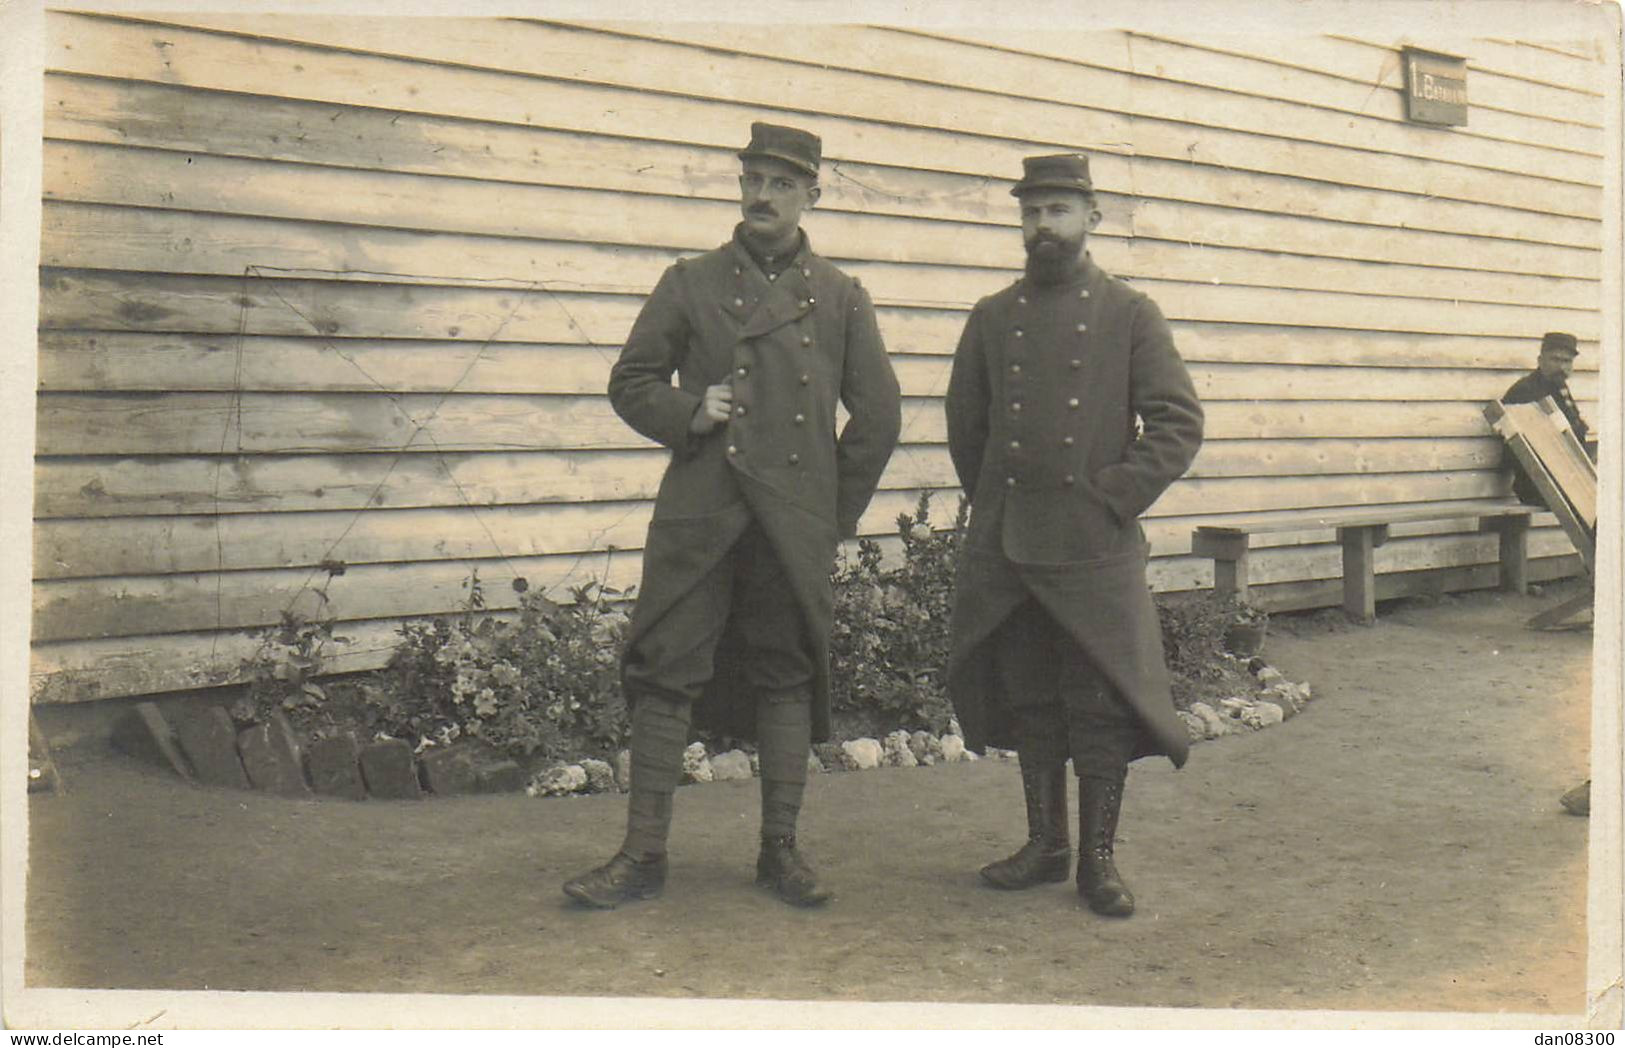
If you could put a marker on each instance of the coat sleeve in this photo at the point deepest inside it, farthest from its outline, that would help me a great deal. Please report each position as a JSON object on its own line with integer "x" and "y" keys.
{"x": 1162, "y": 395}
{"x": 967, "y": 405}
{"x": 640, "y": 387}
{"x": 874, "y": 413}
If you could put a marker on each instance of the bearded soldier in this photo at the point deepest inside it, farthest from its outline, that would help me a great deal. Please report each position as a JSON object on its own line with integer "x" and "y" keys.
{"x": 731, "y": 627}
{"x": 1069, "y": 413}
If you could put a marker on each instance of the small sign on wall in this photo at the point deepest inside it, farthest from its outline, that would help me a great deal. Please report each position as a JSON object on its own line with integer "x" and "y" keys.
{"x": 1435, "y": 88}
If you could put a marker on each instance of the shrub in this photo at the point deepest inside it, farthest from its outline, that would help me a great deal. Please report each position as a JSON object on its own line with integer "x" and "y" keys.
{"x": 890, "y": 639}
{"x": 543, "y": 684}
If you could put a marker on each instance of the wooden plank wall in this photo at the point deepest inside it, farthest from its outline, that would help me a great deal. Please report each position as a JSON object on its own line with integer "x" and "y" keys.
{"x": 349, "y": 289}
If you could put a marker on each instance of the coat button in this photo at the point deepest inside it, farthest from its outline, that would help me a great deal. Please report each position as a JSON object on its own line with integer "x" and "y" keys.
{"x": 1083, "y": 327}
{"x": 807, "y": 273}
{"x": 772, "y": 277}
{"x": 794, "y": 458}
{"x": 800, "y": 418}
{"x": 1015, "y": 369}
{"x": 1021, "y": 300}
{"x": 1015, "y": 405}
{"x": 1071, "y": 403}
{"x": 738, "y": 302}
{"x": 1067, "y": 442}
{"x": 739, "y": 412}
{"x": 811, "y": 300}
{"x": 742, "y": 371}
{"x": 732, "y": 450}
{"x": 1015, "y": 445}
{"x": 805, "y": 379}
{"x": 1009, "y": 482}
{"x": 1076, "y": 363}
{"x": 738, "y": 271}
{"x": 806, "y": 340}
{"x": 1084, "y": 293}
{"x": 1069, "y": 479}
{"x": 1018, "y": 332}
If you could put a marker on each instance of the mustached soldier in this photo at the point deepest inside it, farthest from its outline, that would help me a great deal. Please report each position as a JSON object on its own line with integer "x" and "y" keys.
{"x": 731, "y": 628}
{"x": 1069, "y": 412}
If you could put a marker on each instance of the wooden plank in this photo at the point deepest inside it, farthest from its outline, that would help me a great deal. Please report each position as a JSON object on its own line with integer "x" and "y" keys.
{"x": 1548, "y": 435}
{"x": 1010, "y": 75}
{"x": 147, "y": 362}
{"x": 1263, "y": 230}
{"x": 866, "y": 180}
{"x": 450, "y": 529}
{"x": 961, "y": 262}
{"x": 201, "y": 304}
{"x": 294, "y": 423}
{"x": 127, "y": 49}
{"x": 1366, "y": 516}
{"x": 85, "y": 670}
{"x": 1258, "y": 344}
{"x": 1319, "y": 593}
{"x": 125, "y": 487}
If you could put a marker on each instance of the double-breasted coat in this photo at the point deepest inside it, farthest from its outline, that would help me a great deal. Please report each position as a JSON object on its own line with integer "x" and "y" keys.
{"x": 792, "y": 347}
{"x": 1069, "y": 413}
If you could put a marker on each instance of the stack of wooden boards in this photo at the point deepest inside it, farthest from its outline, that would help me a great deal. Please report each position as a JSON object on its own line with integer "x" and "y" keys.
{"x": 1558, "y": 466}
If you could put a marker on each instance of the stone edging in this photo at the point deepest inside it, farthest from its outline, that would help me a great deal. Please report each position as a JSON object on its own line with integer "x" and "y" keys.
{"x": 205, "y": 745}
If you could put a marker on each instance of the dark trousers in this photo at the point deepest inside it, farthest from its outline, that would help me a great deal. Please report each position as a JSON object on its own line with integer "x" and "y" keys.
{"x": 669, "y": 668}
{"x": 1060, "y": 705}
{"x": 677, "y": 658}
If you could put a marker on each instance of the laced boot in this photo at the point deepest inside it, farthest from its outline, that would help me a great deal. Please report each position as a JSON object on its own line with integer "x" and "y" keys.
{"x": 784, "y": 869}
{"x": 1100, "y": 885}
{"x": 622, "y": 879}
{"x": 1046, "y": 858}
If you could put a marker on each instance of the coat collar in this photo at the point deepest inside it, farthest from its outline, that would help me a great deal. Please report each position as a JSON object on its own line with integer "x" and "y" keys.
{"x": 760, "y": 305}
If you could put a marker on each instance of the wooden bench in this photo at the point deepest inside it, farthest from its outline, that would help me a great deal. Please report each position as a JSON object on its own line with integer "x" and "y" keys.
{"x": 1360, "y": 530}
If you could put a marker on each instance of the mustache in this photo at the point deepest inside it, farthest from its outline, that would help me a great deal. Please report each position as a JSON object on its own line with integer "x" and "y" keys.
{"x": 762, "y": 209}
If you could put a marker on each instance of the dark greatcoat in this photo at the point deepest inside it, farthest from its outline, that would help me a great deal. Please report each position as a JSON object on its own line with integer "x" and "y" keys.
{"x": 1046, "y": 386}
{"x": 792, "y": 347}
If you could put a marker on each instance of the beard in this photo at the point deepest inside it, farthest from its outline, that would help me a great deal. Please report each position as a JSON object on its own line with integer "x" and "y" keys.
{"x": 1051, "y": 260}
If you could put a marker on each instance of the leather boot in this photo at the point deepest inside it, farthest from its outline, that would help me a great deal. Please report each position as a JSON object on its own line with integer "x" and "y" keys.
{"x": 1046, "y": 858}
{"x": 622, "y": 879}
{"x": 782, "y": 868}
{"x": 1099, "y": 803}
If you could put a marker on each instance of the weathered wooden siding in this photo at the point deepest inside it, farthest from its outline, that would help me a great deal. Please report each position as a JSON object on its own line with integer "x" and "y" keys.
{"x": 349, "y": 289}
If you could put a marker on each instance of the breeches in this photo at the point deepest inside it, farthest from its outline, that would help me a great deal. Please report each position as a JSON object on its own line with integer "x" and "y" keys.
{"x": 747, "y": 589}
{"x": 1060, "y": 704}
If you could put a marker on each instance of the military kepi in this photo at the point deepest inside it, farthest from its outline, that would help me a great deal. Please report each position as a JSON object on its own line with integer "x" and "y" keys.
{"x": 1559, "y": 342}
{"x": 1060, "y": 171}
{"x": 798, "y": 148}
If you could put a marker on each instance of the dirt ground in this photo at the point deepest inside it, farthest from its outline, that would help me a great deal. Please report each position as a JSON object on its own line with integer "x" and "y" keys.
{"x": 1399, "y": 845}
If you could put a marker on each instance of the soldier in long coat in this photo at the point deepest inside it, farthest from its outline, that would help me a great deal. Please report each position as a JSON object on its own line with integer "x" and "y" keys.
{"x": 1069, "y": 412}
{"x": 731, "y": 628}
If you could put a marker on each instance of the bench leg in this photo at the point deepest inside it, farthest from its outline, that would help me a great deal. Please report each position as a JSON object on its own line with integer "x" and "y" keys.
{"x": 1230, "y": 577}
{"x": 1514, "y": 535}
{"x": 1359, "y": 574}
